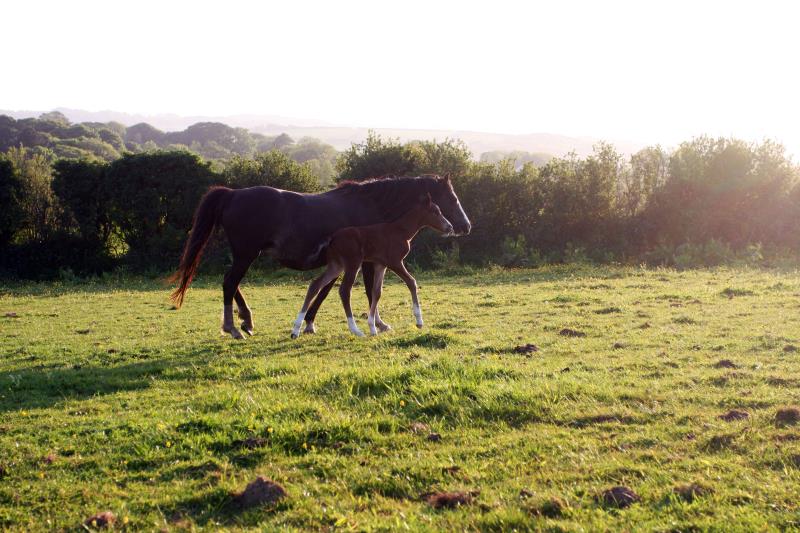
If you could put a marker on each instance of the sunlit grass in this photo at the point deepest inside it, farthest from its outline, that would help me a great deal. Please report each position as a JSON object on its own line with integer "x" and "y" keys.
{"x": 112, "y": 400}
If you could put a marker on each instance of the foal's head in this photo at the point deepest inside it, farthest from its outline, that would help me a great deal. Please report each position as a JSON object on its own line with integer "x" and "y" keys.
{"x": 432, "y": 217}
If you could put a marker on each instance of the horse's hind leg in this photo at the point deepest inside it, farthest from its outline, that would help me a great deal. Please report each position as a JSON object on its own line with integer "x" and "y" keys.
{"x": 244, "y": 312}
{"x": 368, "y": 271}
{"x": 311, "y": 314}
{"x": 377, "y": 286}
{"x": 230, "y": 286}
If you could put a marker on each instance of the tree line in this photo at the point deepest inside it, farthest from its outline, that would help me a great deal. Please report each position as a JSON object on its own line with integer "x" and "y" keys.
{"x": 707, "y": 202}
{"x": 53, "y": 135}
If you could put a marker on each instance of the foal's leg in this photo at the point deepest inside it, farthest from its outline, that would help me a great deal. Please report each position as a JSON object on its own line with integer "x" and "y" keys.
{"x": 230, "y": 286}
{"x": 311, "y": 314}
{"x": 330, "y": 274}
{"x": 368, "y": 271}
{"x": 377, "y": 286}
{"x": 344, "y": 293}
{"x": 411, "y": 283}
{"x": 244, "y": 312}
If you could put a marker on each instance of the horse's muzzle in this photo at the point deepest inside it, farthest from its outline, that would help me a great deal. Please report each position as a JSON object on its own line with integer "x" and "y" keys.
{"x": 461, "y": 230}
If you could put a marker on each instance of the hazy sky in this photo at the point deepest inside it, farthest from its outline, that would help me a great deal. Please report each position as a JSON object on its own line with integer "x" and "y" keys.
{"x": 642, "y": 70}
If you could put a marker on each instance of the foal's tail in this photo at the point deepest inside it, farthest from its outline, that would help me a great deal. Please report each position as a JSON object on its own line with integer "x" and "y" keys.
{"x": 205, "y": 219}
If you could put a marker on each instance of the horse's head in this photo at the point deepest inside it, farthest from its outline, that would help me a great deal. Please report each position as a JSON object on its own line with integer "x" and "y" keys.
{"x": 431, "y": 216}
{"x": 445, "y": 197}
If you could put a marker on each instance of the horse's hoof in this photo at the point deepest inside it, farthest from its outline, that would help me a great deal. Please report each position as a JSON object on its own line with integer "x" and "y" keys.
{"x": 310, "y": 329}
{"x": 247, "y": 329}
{"x": 383, "y": 328}
{"x": 419, "y": 326}
{"x": 294, "y": 335}
{"x": 236, "y": 334}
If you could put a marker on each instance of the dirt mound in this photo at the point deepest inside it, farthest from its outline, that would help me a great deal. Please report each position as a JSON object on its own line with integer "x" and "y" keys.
{"x": 251, "y": 443}
{"x": 434, "y": 437}
{"x": 261, "y": 491}
{"x": 567, "y": 332}
{"x": 691, "y": 491}
{"x": 725, "y": 363}
{"x": 619, "y": 497}
{"x": 449, "y": 500}
{"x": 419, "y": 427}
{"x": 789, "y": 348}
{"x": 526, "y": 349}
{"x": 550, "y": 508}
{"x": 787, "y": 416}
{"x": 734, "y": 414}
{"x": 101, "y": 520}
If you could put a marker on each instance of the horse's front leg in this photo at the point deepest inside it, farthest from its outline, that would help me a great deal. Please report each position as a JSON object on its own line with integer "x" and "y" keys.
{"x": 311, "y": 314}
{"x": 344, "y": 293}
{"x": 327, "y": 277}
{"x": 411, "y": 283}
{"x": 377, "y": 287}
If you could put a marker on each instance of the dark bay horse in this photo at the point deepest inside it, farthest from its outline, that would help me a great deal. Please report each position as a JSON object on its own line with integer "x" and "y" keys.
{"x": 296, "y": 228}
{"x": 384, "y": 245}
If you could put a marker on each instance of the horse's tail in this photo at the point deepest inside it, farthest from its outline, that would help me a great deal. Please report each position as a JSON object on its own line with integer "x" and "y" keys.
{"x": 205, "y": 220}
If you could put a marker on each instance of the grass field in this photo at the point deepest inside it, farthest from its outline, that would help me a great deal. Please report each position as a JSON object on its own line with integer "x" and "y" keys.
{"x": 110, "y": 400}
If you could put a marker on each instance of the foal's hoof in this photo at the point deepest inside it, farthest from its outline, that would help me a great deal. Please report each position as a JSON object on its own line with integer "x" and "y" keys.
{"x": 235, "y": 333}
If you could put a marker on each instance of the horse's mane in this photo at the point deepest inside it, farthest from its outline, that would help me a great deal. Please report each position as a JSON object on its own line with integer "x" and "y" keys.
{"x": 396, "y": 194}
{"x": 387, "y": 181}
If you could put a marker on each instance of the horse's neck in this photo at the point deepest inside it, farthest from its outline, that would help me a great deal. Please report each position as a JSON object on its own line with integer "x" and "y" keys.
{"x": 409, "y": 224}
{"x": 396, "y": 200}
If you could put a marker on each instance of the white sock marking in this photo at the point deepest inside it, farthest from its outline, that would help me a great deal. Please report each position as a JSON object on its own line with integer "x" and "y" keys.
{"x": 351, "y": 323}
{"x": 415, "y": 308}
{"x": 298, "y": 323}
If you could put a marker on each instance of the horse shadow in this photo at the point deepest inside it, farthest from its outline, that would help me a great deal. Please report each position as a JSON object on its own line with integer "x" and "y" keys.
{"x": 43, "y": 387}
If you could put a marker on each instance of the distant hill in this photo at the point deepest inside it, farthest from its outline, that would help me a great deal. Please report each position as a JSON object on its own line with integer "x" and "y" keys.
{"x": 57, "y": 135}
{"x": 341, "y": 137}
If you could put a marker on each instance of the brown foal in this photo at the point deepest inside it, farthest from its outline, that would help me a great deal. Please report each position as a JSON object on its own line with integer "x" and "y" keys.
{"x": 386, "y": 246}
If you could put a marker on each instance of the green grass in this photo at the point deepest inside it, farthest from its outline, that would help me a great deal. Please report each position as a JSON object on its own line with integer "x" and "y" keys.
{"x": 144, "y": 408}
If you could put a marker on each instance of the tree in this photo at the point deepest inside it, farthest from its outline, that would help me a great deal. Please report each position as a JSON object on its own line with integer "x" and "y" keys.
{"x": 55, "y": 116}
{"x": 375, "y": 158}
{"x": 142, "y": 133}
{"x": 38, "y": 204}
{"x": 272, "y": 168}
{"x": 649, "y": 169}
{"x": 282, "y": 141}
{"x": 153, "y": 196}
{"x": 82, "y": 188}
{"x": 11, "y": 193}
{"x": 450, "y": 157}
